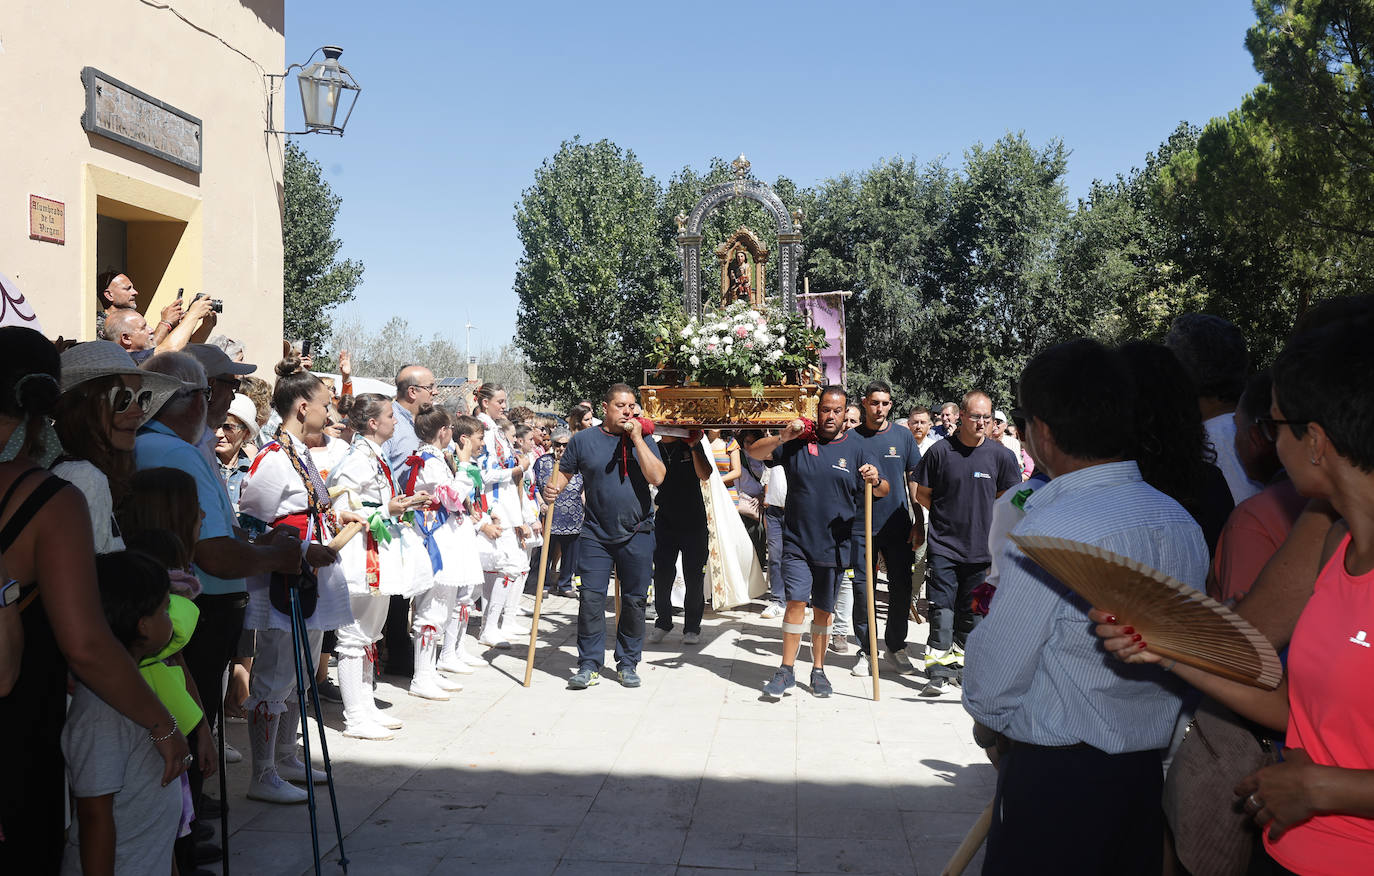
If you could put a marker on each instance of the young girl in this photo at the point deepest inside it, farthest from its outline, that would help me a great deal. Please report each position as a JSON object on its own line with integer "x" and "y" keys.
{"x": 386, "y": 559}
{"x": 467, "y": 568}
{"x": 126, "y": 818}
{"x": 284, "y": 488}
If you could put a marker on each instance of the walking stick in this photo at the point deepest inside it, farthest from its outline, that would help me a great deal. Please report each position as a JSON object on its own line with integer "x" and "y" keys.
{"x": 872, "y": 586}
{"x": 539, "y": 591}
{"x": 223, "y": 793}
{"x": 969, "y": 847}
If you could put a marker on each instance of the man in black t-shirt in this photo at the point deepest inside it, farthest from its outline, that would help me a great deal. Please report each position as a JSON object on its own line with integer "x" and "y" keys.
{"x": 680, "y": 528}
{"x": 617, "y": 466}
{"x": 958, "y": 479}
{"x": 826, "y": 473}
{"x": 895, "y": 452}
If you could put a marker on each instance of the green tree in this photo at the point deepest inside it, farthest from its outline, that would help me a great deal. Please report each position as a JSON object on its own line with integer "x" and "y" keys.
{"x": 314, "y": 280}
{"x": 594, "y": 273}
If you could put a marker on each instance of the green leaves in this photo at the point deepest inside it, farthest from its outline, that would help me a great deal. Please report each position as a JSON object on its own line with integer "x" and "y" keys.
{"x": 314, "y": 282}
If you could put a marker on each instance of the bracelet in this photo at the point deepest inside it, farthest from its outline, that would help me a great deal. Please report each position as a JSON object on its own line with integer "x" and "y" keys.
{"x": 166, "y": 323}
{"x": 170, "y": 733}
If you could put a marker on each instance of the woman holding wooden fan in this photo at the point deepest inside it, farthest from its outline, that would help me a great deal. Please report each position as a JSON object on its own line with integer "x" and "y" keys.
{"x": 1318, "y": 804}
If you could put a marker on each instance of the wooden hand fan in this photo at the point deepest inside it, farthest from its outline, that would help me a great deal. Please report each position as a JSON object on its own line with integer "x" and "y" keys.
{"x": 1175, "y": 620}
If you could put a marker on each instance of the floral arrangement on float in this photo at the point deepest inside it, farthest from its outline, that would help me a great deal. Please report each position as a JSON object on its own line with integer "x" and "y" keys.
{"x": 738, "y": 364}
{"x": 738, "y": 345}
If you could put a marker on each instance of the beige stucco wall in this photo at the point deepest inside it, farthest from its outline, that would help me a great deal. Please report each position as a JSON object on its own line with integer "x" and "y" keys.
{"x": 230, "y": 243}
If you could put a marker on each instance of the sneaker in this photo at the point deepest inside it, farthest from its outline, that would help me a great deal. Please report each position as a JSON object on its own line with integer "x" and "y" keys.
{"x": 329, "y": 691}
{"x": 584, "y": 679}
{"x": 271, "y": 788}
{"x": 691, "y": 638}
{"x": 934, "y": 688}
{"x": 820, "y": 685}
{"x": 427, "y": 689}
{"x": 628, "y": 677}
{"x": 771, "y": 611}
{"x": 783, "y": 680}
{"x": 900, "y": 661}
{"x": 569, "y": 591}
{"x": 368, "y": 730}
{"x": 293, "y": 770}
{"x": 231, "y": 754}
{"x": 499, "y": 642}
{"x": 656, "y": 635}
{"x": 455, "y": 665}
{"x": 839, "y": 644}
{"x": 860, "y": 666}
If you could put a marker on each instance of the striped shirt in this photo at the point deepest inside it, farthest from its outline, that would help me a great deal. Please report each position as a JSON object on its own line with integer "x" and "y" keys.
{"x": 1034, "y": 669}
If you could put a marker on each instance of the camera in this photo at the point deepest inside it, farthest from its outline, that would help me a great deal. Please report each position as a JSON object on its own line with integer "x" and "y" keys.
{"x": 216, "y": 304}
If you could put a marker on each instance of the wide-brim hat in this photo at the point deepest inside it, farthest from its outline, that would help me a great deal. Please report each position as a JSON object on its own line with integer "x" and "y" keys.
{"x": 243, "y": 409}
{"x": 95, "y": 359}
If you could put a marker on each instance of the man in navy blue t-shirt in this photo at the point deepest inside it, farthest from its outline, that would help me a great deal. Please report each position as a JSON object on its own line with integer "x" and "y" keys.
{"x": 958, "y": 480}
{"x": 826, "y": 473}
{"x": 895, "y": 452}
{"x": 617, "y": 466}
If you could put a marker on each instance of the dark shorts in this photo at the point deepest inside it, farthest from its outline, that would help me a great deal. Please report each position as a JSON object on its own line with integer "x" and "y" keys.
{"x": 803, "y": 581}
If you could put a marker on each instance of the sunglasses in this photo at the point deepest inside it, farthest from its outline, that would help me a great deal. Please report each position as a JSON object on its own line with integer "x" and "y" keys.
{"x": 1269, "y": 427}
{"x": 121, "y": 397}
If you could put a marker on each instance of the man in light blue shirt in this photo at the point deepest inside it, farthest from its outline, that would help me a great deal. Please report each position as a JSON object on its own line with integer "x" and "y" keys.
{"x": 1080, "y": 735}
{"x": 415, "y": 388}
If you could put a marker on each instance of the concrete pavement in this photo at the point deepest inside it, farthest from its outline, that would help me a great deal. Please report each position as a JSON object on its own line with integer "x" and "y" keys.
{"x": 694, "y": 773}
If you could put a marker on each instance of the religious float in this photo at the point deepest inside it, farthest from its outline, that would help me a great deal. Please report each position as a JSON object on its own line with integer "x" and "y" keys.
{"x": 753, "y": 360}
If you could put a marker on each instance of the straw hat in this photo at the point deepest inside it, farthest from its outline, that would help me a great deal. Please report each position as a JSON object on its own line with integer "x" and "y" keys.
{"x": 96, "y": 359}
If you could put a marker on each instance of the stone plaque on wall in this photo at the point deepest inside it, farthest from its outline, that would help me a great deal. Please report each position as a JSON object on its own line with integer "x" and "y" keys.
{"x": 47, "y": 220}
{"x": 129, "y": 116}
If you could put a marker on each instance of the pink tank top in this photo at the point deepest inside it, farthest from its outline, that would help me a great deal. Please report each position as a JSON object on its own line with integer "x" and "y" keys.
{"x": 1331, "y": 713}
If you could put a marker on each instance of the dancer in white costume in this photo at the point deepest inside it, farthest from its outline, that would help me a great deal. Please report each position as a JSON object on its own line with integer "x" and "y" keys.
{"x": 504, "y": 562}
{"x": 466, "y": 568}
{"x": 427, "y": 471}
{"x": 283, "y": 488}
{"x": 378, "y": 564}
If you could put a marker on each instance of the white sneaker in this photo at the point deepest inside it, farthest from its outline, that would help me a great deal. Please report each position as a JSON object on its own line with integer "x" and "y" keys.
{"x": 690, "y": 638}
{"x": 771, "y": 611}
{"x": 428, "y": 689}
{"x": 271, "y": 788}
{"x": 860, "y": 666}
{"x": 231, "y": 754}
{"x": 368, "y": 730}
{"x": 656, "y": 635}
{"x": 447, "y": 684}
{"x": 901, "y": 662}
{"x": 455, "y": 665}
{"x": 498, "y": 642}
{"x": 293, "y": 770}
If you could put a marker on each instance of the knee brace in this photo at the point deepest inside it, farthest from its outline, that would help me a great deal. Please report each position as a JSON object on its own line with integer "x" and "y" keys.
{"x": 818, "y": 630}
{"x": 793, "y": 628}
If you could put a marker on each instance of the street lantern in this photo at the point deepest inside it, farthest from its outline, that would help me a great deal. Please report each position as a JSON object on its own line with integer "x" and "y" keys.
{"x": 328, "y": 93}
{"x": 327, "y": 87}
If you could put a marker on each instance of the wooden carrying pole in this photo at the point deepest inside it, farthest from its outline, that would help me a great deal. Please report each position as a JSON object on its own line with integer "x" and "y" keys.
{"x": 539, "y": 591}
{"x": 969, "y": 847}
{"x": 872, "y": 586}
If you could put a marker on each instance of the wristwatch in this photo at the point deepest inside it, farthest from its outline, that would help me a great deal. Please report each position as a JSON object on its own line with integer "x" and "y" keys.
{"x": 10, "y": 593}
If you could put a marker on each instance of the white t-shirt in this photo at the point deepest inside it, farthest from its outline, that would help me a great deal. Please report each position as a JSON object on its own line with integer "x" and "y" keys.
{"x": 93, "y": 484}
{"x": 1221, "y": 434}
{"x": 774, "y": 481}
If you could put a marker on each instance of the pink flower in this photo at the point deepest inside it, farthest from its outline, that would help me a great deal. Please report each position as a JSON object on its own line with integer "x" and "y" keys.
{"x": 710, "y": 348}
{"x": 741, "y": 331}
{"x": 748, "y": 345}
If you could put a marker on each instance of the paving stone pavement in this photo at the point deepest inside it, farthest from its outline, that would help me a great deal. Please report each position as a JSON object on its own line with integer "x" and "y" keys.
{"x": 692, "y": 774}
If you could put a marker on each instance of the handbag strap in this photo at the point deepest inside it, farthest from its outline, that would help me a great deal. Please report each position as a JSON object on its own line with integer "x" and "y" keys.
{"x": 21, "y": 518}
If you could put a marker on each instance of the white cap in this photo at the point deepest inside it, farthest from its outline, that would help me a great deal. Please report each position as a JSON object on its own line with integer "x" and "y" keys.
{"x": 243, "y": 409}
{"x": 999, "y": 416}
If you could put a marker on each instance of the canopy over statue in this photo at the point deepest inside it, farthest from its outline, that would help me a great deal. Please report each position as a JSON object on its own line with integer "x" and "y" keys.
{"x": 789, "y": 244}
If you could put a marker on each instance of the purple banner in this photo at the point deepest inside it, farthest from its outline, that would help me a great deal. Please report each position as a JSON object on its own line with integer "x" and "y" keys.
{"x": 825, "y": 310}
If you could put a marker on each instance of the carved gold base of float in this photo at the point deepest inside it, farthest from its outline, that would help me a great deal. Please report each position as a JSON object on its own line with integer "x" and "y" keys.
{"x": 726, "y": 406}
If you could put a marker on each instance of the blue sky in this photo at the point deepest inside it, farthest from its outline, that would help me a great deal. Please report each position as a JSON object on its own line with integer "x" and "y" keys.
{"x": 461, "y": 102}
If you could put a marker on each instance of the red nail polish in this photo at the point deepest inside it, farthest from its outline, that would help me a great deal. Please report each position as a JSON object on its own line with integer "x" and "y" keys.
{"x": 1111, "y": 618}
{"x": 1136, "y": 637}
{"x": 1129, "y": 631}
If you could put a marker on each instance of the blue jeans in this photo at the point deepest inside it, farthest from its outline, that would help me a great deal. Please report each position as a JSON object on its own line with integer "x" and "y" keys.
{"x": 772, "y": 521}
{"x": 634, "y": 561}
{"x": 669, "y": 541}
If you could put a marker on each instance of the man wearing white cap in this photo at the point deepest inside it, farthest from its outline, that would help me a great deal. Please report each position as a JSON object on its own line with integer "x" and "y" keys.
{"x": 999, "y": 431}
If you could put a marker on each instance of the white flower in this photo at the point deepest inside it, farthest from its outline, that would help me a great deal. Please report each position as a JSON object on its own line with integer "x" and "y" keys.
{"x": 754, "y": 314}
{"x": 687, "y": 332}
{"x": 775, "y": 355}
{"x": 684, "y": 349}
{"x": 782, "y": 341}
{"x": 756, "y": 370}
{"x": 695, "y": 361}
